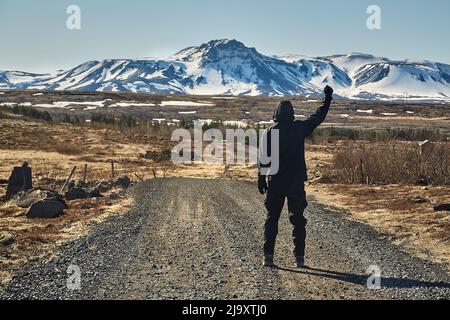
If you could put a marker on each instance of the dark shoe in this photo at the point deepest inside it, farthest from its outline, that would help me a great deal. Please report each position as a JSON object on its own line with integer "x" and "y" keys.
{"x": 268, "y": 261}
{"x": 300, "y": 262}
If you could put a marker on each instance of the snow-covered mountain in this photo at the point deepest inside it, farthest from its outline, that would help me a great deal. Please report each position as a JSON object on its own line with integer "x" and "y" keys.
{"x": 228, "y": 67}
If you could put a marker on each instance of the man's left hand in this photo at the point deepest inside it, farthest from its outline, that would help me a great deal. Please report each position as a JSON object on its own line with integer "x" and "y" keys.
{"x": 262, "y": 185}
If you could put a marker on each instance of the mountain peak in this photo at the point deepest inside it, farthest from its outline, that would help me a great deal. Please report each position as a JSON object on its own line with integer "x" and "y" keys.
{"x": 224, "y": 44}
{"x": 229, "y": 67}
{"x": 211, "y": 47}
{"x": 214, "y": 50}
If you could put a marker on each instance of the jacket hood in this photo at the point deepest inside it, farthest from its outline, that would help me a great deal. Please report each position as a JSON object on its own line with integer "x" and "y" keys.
{"x": 284, "y": 112}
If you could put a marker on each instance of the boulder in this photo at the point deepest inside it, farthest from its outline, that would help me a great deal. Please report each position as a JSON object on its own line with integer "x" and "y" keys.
{"x": 103, "y": 186}
{"x": 45, "y": 209}
{"x": 77, "y": 193}
{"x": 95, "y": 193}
{"x": 77, "y": 184}
{"x": 80, "y": 191}
{"x": 20, "y": 180}
{"x": 122, "y": 181}
{"x": 27, "y": 198}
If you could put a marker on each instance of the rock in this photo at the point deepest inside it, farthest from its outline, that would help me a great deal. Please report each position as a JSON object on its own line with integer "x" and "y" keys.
{"x": 103, "y": 186}
{"x": 26, "y": 199}
{"x": 417, "y": 199}
{"x": 122, "y": 181}
{"x": 45, "y": 209}
{"x": 80, "y": 184}
{"x": 79, "y": 190}
{"x": 95, "y": 193}
{"x": 77, "y": 184}
{"x": 442, "y": 207}
{"x": 20, "y": 180}
{"x": 7, "y": 239}
{"x": 76, "y": 193}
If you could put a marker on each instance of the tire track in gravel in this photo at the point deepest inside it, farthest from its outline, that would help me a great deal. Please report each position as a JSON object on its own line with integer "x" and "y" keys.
{"x": 202, "y": 239}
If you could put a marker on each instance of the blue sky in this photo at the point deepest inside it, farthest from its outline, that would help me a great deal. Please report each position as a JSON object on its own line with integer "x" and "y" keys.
{"x": 34, "y": 36}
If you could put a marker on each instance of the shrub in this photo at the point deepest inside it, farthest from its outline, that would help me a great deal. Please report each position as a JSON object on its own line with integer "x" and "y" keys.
{"x": 28, "y": 112}
{"x": 332, "y": 134}
{"x": 394, "y": 162}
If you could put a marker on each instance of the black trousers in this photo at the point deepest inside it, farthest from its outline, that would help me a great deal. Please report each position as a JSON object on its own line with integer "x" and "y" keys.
{"x": 297, "y": 204}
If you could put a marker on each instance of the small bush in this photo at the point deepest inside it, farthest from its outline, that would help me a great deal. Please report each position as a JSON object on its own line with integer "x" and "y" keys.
{"x": 31, "y": 112}
{"x": 395, "y": 162}
{"x": 332, "y": 134}
{"x": 25, "y": 111}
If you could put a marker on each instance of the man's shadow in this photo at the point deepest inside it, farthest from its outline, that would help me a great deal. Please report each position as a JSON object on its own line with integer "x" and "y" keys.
{"x": 362, "y": 279}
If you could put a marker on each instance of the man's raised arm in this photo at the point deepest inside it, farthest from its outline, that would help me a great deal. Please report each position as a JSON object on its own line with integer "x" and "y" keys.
{"x": 317, "y": 118}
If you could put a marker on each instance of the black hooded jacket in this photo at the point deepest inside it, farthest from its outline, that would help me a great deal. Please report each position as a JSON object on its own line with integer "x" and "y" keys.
{"x": 291, "y": 175}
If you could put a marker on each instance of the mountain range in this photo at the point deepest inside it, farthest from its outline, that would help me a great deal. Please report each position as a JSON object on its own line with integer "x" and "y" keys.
{"x": 228, "y": 67}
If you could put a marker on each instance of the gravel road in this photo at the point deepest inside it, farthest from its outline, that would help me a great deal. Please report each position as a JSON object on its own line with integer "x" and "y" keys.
{"x": 202, "y": 239}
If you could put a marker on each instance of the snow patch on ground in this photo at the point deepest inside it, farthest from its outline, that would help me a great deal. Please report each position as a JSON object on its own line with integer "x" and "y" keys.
{"x": 90, "y": 108}
{"x": 131, "y": 104}
{"x": 364, "y": 111}
{"x": 187, "y": 112}
{"x": 185, "y": 104}
{"x": 65, "y": 104}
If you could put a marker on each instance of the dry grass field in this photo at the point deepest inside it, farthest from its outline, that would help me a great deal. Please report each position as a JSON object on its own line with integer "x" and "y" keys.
{"x": 53, "y": 148}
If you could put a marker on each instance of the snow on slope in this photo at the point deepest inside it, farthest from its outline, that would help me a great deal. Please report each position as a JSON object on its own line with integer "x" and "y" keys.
{"x": 228, "y": 67}
{"x": 399, "y": 80}
{"x": 351, "y": 62}
{"x": 320, "y": 72}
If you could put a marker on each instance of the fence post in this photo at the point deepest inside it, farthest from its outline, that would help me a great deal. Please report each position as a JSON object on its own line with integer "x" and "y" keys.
{"x": 68, "y": 179}
{"x": 113, "y": 174}
{"x": 85, "y": 173}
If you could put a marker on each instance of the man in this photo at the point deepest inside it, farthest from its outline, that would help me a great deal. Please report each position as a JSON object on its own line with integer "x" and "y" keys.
{"x": 288, "y": 181}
